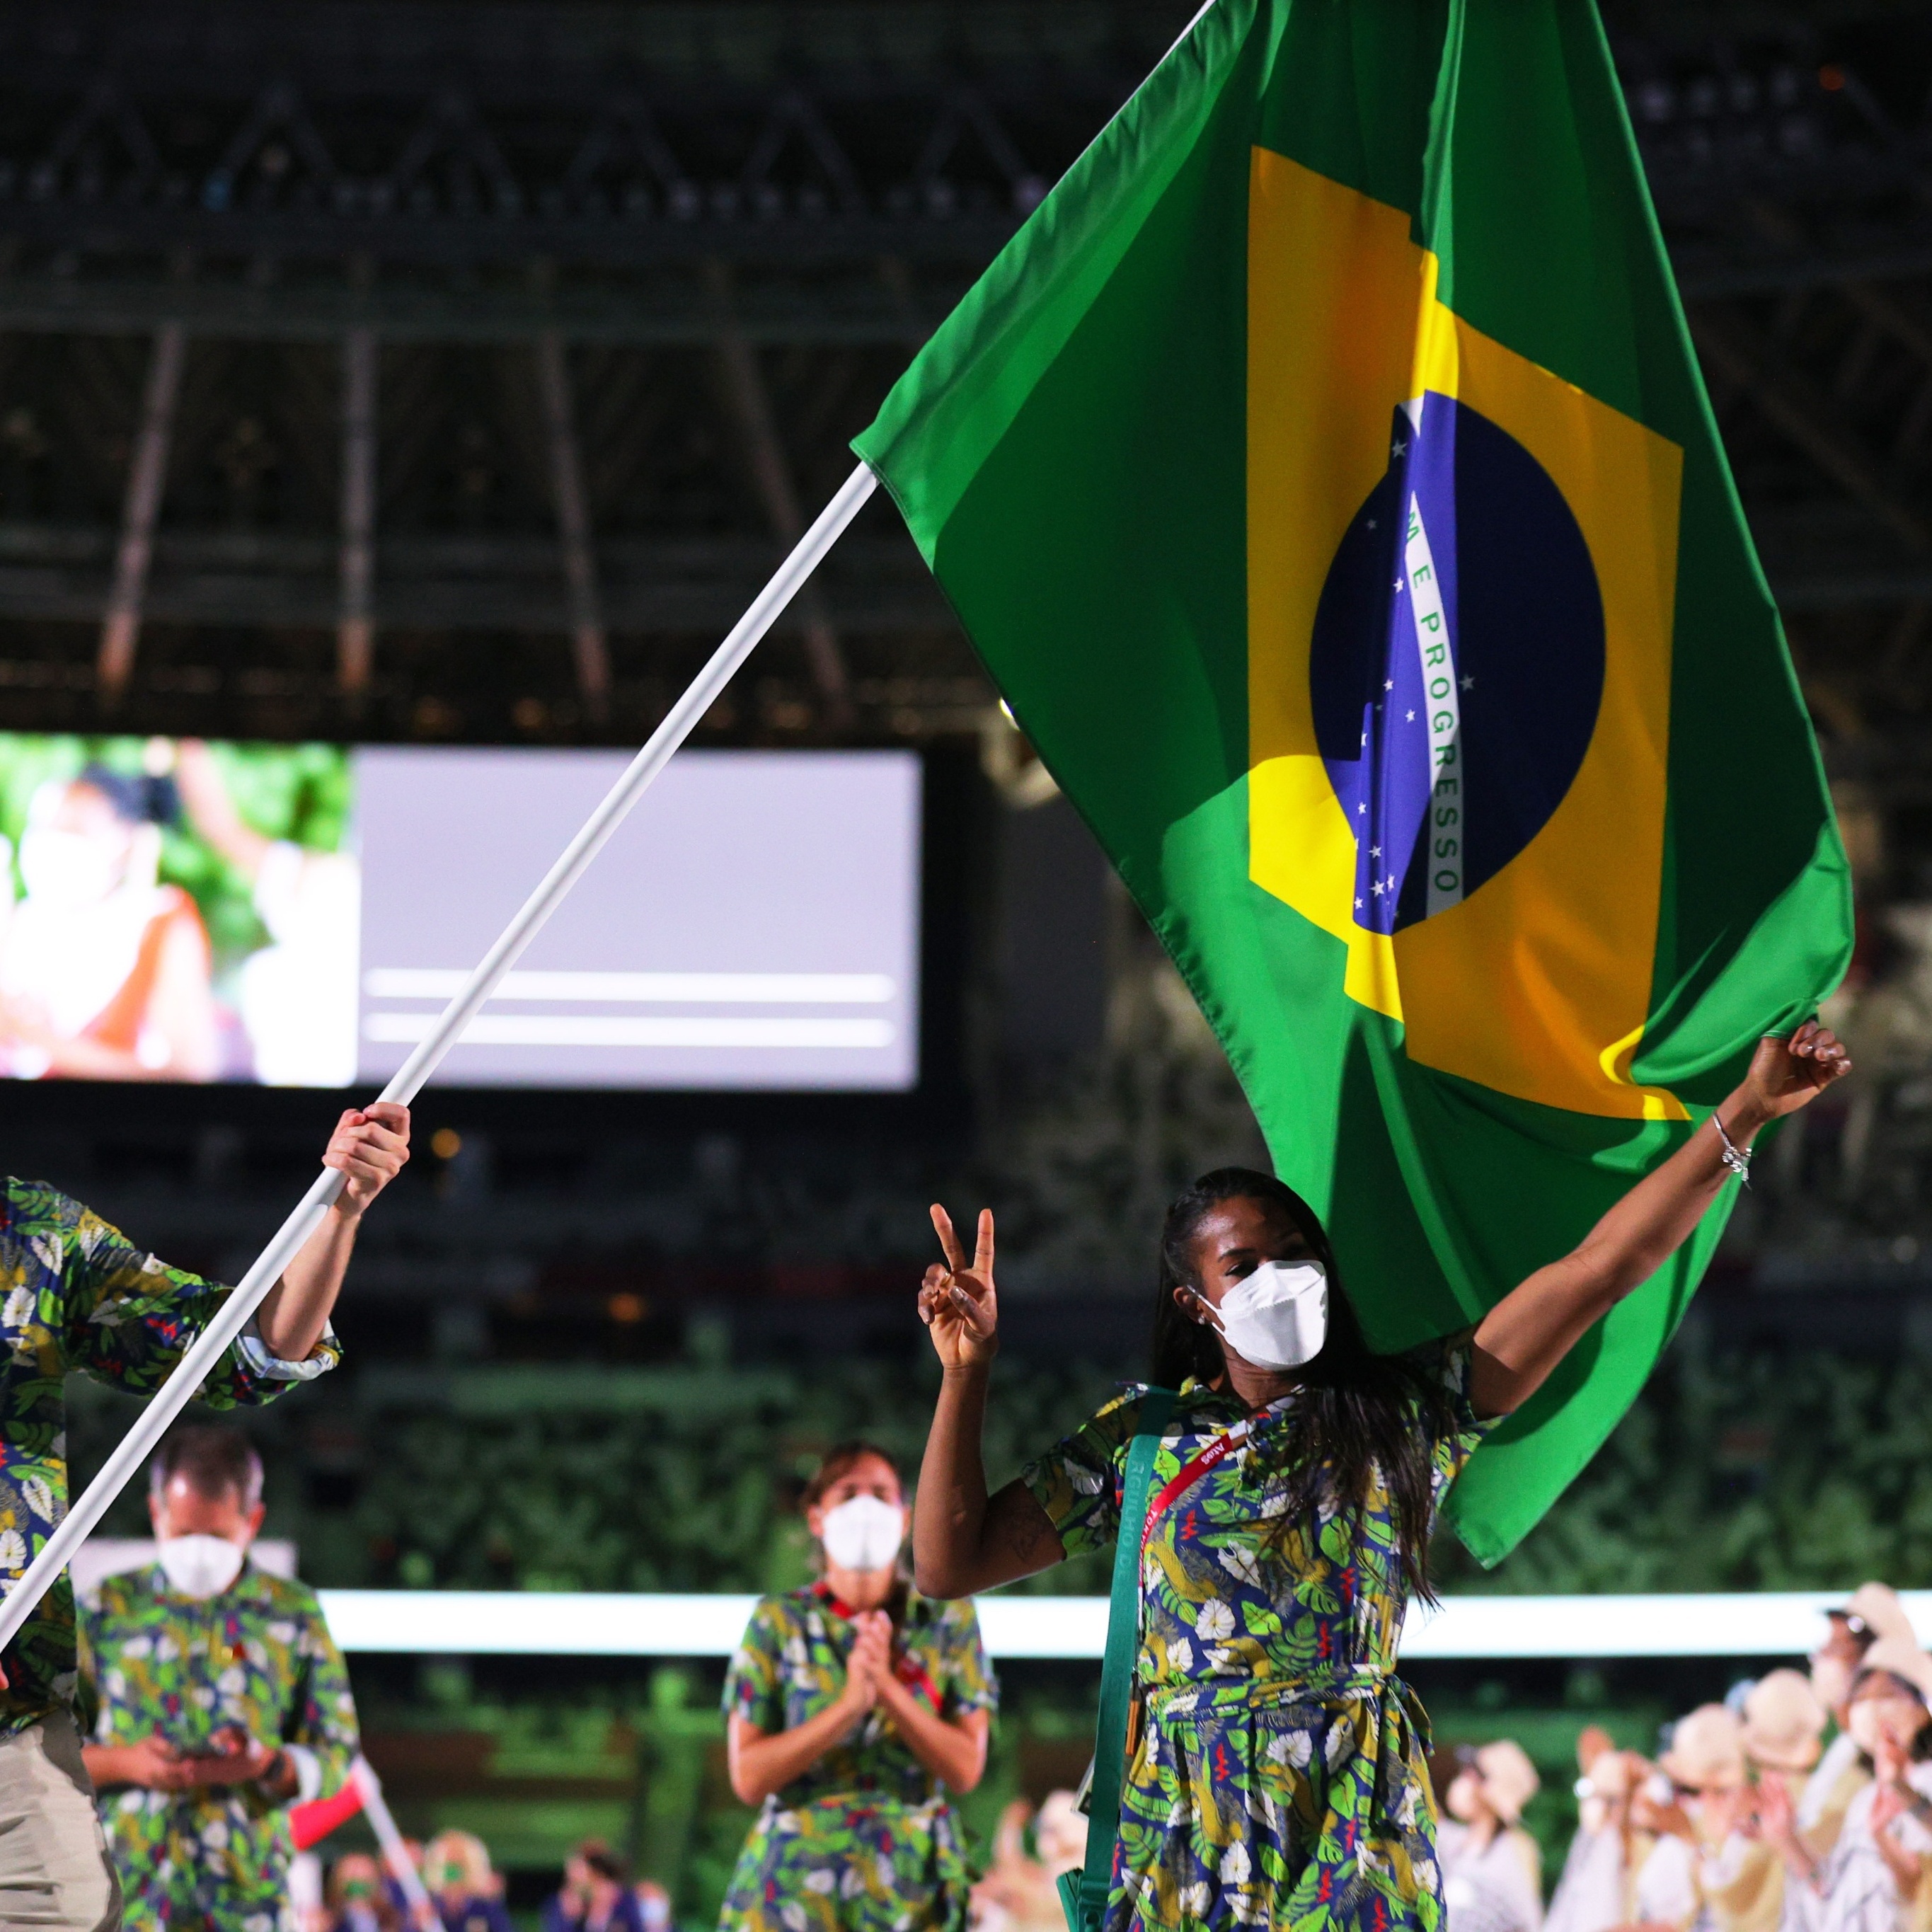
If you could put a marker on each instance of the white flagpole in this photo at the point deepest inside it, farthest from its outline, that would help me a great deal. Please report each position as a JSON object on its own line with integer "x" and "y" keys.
{"x": 196, "y": 1365}
{"x": 395, "y": 1852}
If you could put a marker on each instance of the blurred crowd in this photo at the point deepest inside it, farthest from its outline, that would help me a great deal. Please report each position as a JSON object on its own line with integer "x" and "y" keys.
{"x": 1800, "y": 1804}
{"x": 358, "y": 1894}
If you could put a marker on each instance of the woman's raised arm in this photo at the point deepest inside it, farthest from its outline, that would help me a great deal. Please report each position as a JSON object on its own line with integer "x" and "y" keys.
{"x": 1534, "y": 1327}
{"x": 964, "y": 1540}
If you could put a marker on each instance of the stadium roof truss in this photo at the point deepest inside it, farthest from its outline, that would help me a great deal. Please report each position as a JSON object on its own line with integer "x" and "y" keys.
{"x": 448, "y": 370}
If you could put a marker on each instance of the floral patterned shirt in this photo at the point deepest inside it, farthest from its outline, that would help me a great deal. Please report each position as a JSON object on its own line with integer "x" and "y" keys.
{"x": 76, "y": 1293}
{"x": 791, "y": 1664}
{"x": 1228, "y": 1591}
{"x": 258, "y": 1655}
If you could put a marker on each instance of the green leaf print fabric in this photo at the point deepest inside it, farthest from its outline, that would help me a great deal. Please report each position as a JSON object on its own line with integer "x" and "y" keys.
{"x": 77, "y": 1294}
{"x": 258, "y": 1655}
{"x": 864, "y": 1841}
{"x": 1279, "y": 1778}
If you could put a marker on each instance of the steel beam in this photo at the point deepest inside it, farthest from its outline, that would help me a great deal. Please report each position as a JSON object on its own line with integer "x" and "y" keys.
{"x": 771, "y": 471}
{"x": 589, "y": 645}
{"x": 356, "y": 629}
{"x": 147, "y": 476}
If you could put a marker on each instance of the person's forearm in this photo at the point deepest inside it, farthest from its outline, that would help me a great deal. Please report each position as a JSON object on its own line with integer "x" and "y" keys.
{"x": 954, "y": 1753}
{"x": 1906, "y": 1866}
{"x": 109, "y": 1764}
{"x": 296, "y": 1311}
{"x": 1530, "y": 1330}
{"x": 762, "y": 1763}
{"x": 950, "y": 1509}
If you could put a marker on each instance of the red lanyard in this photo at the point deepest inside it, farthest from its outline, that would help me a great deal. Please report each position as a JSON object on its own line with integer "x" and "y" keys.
{"x": 907, "y": 1668}
{"x": 1217, "y": 1453}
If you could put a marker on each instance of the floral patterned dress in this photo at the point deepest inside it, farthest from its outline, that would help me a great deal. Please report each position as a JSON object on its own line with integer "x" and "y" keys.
{"x": 864, "y": 1841}
{"x": 1279, "y": 1777}
{"x": 258, "y": 1655}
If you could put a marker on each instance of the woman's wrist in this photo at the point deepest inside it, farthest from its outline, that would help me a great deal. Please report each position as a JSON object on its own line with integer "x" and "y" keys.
{"x": 1743, "y": 1117}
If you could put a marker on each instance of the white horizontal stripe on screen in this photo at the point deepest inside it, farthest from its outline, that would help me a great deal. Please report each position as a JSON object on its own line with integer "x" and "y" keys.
{"x": 1770, "y": 1624}
{"x": 776, "y": 989}
{"x": 622, "y": 1030}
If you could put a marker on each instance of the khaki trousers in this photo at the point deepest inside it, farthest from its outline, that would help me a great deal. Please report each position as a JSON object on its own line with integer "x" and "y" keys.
{"x": 55, "y": 1871}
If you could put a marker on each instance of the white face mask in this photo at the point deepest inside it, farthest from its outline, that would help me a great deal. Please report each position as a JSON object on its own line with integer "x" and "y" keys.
{"x": 67, "y": 868}
{"x": 864, "y": 1533}
{"x": 201, "y": 1566}
{"x": 1278, "y": 1317}
{"x": 1831, "y": 1679}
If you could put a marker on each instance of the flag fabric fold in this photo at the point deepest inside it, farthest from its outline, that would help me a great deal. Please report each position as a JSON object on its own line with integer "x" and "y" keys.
{"x": 1325, "y": 478}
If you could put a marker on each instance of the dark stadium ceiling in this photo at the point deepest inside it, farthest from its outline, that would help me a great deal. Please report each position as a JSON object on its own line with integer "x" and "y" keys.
{"x": 448, "y": 370}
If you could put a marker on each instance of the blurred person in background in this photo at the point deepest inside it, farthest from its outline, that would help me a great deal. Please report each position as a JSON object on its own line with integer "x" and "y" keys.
{"x": 1875, "y": 1877}
{"x": 1873, "y": 1612}
{"x": 595, "y": 1896}
{"x": 653, "y": 1904}
{"x": 1491, "y": 1870}
{"x": 358, "y": 1897}
{"x": 298, "y": 993}
{"x": 468, "y": 1895}
{"x": 104, "y": 971}
{"x": 1596, "y": 1888}
{"x": 1784, "y": 1733}
{"x": 223, "y": 1700}
{"x": 1703, "y": 1810}
{"x": 854, "y": 1705}
{"x": 79, "y": 1295}
{"x": 1020, "y": 1892}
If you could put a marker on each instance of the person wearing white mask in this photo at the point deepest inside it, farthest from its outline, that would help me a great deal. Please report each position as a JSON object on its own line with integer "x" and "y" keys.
{"x": 1873, "y": 1612}
{"x": 222, "y": 1697}
{"x": 1276, "y": 1774}
{"x": 854, "y": 1705}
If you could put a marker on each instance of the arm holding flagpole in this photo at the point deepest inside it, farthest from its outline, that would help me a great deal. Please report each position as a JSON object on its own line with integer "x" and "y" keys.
{"x": 311, "y": 1215}
{"x": 1522, "y": 1340}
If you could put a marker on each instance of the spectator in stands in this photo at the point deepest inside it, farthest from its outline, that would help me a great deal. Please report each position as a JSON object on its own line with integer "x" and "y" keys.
{"x": 78, "y": 1294}
{"x": 1875, "y": 1877}
{"x": 469, "y": 1894}
{"x": 1702, "y": 1846}
{"x": 359, "y": 1897}
{"x": 595, "y": 1897}
{"x": 1021, "y": 1894}
{"x": 1783, "y": 1726}
{"x": 854, "y": 1705}
{"x": 223, "y": 1699}
{"x": 1492, "y": 1871}
{"x": 1873, "y": 1612}
{"x": 1595, "y": 1891}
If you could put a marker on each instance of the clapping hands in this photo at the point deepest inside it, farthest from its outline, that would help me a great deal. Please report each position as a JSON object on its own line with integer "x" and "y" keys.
{"x": 868, "y": 1664}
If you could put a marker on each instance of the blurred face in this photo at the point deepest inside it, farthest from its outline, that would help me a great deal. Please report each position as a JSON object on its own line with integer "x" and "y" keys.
{"x": 1834, "y": 1663}
{"x": 1234, "y": 1238}
{"x": 181, "y": 1510}
{"x": 75, "y": 848}
{"x": 1886, "y": 1715}
{"x": 1464, "y": 1800}
{"x": 869, "y": 1476}
{"x": 356, "y": 1880}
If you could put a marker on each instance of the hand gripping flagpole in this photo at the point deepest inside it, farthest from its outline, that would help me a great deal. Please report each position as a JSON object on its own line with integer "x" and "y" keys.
{"x": 236, "y": 1312}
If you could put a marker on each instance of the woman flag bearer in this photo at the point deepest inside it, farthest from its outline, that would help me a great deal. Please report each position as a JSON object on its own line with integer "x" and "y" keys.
{"x": 1276, "y": 1776}
{"x": 854, "y": 1705}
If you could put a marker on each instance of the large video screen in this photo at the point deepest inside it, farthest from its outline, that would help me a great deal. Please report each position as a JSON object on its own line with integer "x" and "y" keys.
{"x": 297, "y": 915}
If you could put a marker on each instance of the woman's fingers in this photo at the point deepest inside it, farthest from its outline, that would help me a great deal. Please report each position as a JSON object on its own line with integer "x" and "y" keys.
{"x": 982, "y": 1251}
{"x": 942, "y": 1225}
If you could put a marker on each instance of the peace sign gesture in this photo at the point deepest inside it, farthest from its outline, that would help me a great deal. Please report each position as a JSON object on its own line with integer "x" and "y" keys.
{"x": 958, "y": 1303}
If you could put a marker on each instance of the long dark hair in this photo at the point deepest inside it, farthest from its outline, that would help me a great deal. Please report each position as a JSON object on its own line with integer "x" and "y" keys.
{"x": 1358, "y": 1412}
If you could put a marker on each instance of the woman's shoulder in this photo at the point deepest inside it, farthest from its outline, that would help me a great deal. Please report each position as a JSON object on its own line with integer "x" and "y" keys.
{"x": 942, "y": 1617}
{"x": 781, "y": 1611}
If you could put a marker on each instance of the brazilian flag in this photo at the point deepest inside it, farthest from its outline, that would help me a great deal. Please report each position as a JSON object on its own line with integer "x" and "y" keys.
{"x": 1324, "y": 476}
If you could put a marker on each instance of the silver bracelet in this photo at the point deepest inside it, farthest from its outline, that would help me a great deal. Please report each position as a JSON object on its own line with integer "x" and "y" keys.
{"x": 1737, "y": 1159}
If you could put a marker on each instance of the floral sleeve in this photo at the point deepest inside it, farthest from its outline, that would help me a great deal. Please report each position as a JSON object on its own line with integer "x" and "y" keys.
{"x": 754, "y": 1685}
{"x": 1446, "y": 1365}
{"x": 127, "y": 1318}
{"x": 966, "y": 1679}
{"x": 1078, "y": 1481}
{"x": 322, "y": 1737}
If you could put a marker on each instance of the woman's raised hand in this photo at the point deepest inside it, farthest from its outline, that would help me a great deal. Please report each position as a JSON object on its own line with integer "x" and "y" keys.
{"x": 1787, "y": 1074}
{"x": 870, "y": 1657}
{"x": 958, "y": 1303}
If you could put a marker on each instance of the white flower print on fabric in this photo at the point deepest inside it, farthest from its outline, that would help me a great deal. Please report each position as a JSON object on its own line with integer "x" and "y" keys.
{"x": 1235, "y": 1866}
{"x": 1214, "y": 1620}
{"x": 19, "y": 1308}
{"x": 40, "y": 1496}
{"x": 12, "y": 1551}
{"x": 1195, "y": 1900}
{"x": 820, "y": 1881}
{"x": 1180, "y": 1655}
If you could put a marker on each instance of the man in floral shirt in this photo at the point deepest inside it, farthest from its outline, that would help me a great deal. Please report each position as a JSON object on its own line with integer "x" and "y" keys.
{"x": 223, "y": 1699}
{"x": 76, "y": 1293}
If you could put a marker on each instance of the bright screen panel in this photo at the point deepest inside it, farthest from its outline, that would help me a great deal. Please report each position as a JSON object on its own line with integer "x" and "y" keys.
{"x": 296, "y": 915}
